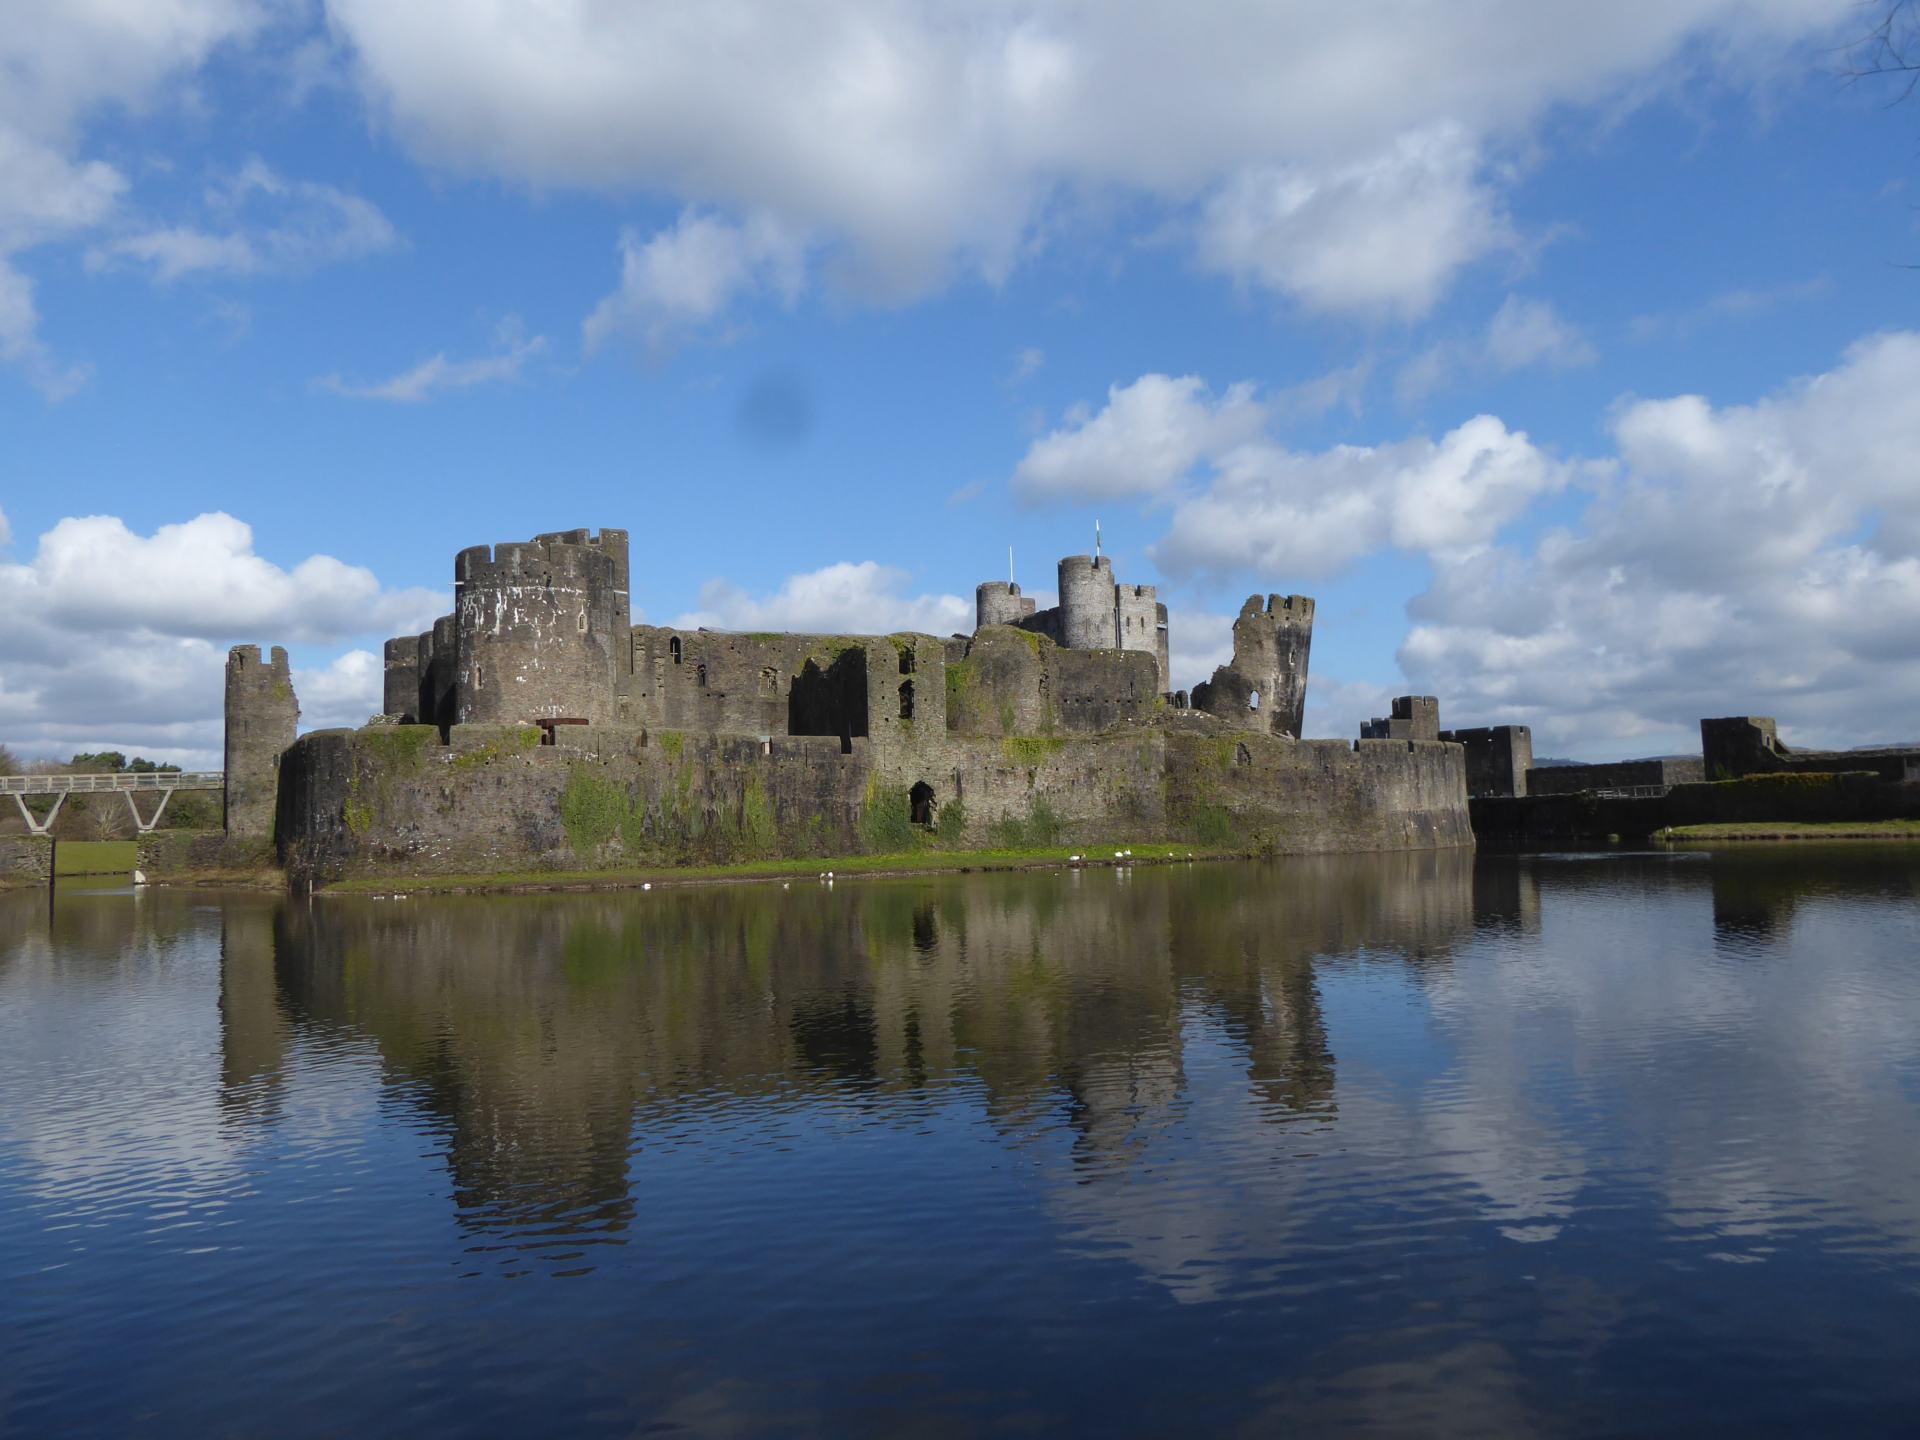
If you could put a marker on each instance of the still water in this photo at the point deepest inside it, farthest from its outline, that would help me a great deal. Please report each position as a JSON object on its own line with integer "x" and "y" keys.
{"x": 1407, "y": 1144}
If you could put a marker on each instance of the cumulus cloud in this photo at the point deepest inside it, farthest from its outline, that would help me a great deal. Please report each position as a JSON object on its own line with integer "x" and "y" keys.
{"x": 63, "y": 63}
{"x": 1337, "y": 154}
{"x": 1384, "y": 234}
{"x": 267, "y": 225}
{"x": 682, "y": 277}
{"x": 1523, "y": 333}
{"x": 1146, "y": 438}
{"x": 118, "y": 640}
{"x": 437, "y": 374}
{"x": 864, "y": 598}
{"x": 1243, "y": 501}
{"x": 1759, "y": 558}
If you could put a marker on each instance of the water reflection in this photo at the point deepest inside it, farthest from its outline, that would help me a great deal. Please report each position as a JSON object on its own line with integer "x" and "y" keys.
{"x": 1410, "y": 1143}
{"x": 539, "y": 1032}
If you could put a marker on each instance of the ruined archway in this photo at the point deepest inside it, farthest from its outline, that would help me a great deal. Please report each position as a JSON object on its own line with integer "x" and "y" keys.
{"x": 920, "y": 804}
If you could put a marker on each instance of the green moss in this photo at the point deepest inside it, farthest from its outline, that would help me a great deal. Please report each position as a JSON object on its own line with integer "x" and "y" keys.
{"x": 1030, "y": 749}
{"x": 758, "y": 835}
{"x": 764, "y": 637}
{"x": 886, "y": 827}
{"x": 282, "y": 690}
{"x": 673, "y": 742}
{"x": 592, "y": 810}
{"x": 401, "y": 746}
{"x": 952, "y": 823}
{"x": 1040, "y": 826}
{"x": 1213, "y": 825}
{"x": 359, "y": 817}
{"x": 1006, "y": 716}
{"x": 1032, "y": 639}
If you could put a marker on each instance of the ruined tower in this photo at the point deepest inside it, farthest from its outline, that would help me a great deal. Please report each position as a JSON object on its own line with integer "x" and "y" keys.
{"x": 401, "y": 695}
{"x": 263, "y": 718}
{"x": 540, "y": 629}
{"x": 1087, "y": 603}
{"x": 999, "y": 602}
{"x": 1265, "y": 687}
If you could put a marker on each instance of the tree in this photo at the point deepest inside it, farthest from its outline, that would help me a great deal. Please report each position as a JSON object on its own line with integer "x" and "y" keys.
{"x": 9, "y": 764}
{"x": 1891, "y": 46}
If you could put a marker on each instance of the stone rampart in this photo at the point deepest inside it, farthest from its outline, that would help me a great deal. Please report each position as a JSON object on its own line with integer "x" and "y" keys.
{"x": 26, "y": 860}
{"x": 1615, "y": 775}
{"x": 394, "y": 800}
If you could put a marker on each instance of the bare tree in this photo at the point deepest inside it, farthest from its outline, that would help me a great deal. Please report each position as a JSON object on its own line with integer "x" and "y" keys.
{"x": 1890, "y": 46}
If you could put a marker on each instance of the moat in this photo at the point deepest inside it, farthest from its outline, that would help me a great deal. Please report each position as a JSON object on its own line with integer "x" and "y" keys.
{"x": 1419, "y": 1143}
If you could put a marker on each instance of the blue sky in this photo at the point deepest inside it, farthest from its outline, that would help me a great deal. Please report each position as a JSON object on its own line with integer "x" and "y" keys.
{"x": 1563, "y": 356}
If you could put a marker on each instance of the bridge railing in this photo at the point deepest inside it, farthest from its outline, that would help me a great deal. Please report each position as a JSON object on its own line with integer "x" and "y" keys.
{"x": 88, "y": 784}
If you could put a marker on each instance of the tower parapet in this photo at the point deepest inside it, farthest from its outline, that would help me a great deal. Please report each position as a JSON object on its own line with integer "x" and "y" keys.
{"x": 263, "y": 719}
{"x": 999, "y": 602}
{"x": 1138, "y": 622}
{"x": 538, "y": 629}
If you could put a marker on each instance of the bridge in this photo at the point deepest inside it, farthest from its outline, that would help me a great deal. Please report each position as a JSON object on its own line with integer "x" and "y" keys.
{"x": 165, "y": 783}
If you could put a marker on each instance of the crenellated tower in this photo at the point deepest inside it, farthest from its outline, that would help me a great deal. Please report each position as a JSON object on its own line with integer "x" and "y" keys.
{"x": 540, "y": 630}
{"x": 1265, "y": 686}
{"x": 1086, "y": 603}
{"x": 263, "y": 719}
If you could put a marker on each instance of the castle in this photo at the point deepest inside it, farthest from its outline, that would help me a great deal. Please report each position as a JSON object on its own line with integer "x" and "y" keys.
{"x": 536, "y": 726}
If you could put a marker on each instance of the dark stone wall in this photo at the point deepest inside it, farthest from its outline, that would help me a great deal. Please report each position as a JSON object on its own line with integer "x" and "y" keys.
{"x": 1499, "y": 758}
{"x": 262, "y": 719}
{"x": 1739, "y": 745}
{"x": 1617, "y": 775}
{"x": 401, "y": 693}
{"x": 1532, "y": 821}
{"x": 26, "y": 859}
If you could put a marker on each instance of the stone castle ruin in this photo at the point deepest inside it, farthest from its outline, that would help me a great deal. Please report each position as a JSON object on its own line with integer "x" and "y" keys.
{"x": 536, "y": 726}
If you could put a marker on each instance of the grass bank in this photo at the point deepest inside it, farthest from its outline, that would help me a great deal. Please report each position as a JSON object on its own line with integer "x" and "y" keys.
{"x": 1797, "y": 830}
{"x": 93, "y": 857}
{"x": 914, "y": 862}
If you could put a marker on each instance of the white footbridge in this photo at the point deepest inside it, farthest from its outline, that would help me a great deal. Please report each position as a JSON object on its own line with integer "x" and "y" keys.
{"x": 164, "y": 783}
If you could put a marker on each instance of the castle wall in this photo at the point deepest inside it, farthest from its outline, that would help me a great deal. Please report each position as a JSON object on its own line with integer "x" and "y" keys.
{"x": 1499, "y": 758}
{"x": 540, "y": 630}
{"x": 1016, "y": 683}
{"x": 1617, "y": 775}
{"x": 1415, "y": 717}
{"x": 401, "y": 692}
{"x": 392, "y": 799}
{"x": 262, "y": 719}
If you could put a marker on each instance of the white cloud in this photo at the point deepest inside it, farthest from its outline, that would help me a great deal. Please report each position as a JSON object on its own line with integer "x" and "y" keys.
{"x": 272, "y": 225}
{"x": 437, "y": 374}
{"x": 63, "y": 63}
{"x": 342, "y": 695}
{"x": 845, "y": 599}
{"x": 1761, "y": 558}
{"x": 1279, "y": 512}
{"x": 6, "y": 530}
{"x": 119, "y": 640}
{"x": 1144, "y": 441}
{"x": 1385, "y": 234}
{"x": 686, "y": 275}
{"x": 20, "y": 344}
{"x": 1522, "y": 333}
{"x": 1199, "y": 642}
{"x": 1335, "y": 153}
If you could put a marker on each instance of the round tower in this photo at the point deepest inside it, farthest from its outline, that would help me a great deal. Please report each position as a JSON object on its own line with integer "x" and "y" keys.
{"x": 537, "y": 633}
{"x": 999, "y": 602}
{"x": 1087, "y": 603}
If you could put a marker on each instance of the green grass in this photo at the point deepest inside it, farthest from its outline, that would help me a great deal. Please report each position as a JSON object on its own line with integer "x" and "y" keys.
{"x": 1799, "y": 830}
{"x": 912, "y": 862}
{"x": 94, "y": 857}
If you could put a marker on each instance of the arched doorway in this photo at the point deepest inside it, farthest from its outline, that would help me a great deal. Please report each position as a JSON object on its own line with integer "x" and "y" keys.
{"x": 920, "y": 804}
